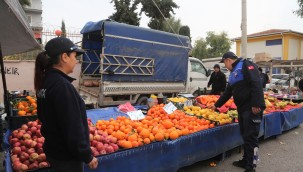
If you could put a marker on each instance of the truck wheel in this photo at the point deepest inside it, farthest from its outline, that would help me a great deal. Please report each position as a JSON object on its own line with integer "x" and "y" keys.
{"x": 142, "y": 100}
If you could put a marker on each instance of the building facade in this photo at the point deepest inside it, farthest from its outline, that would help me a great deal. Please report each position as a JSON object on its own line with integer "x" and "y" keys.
{"x": 34, "y": 15}
{"x": 280, "y": 44}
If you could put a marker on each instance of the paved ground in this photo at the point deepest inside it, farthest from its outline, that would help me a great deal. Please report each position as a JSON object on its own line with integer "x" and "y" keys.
{"x": 281, "y": 154}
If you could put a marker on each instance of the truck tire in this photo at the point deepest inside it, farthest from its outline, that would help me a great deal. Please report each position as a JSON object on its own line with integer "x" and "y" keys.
{"x": 142, "y": 100}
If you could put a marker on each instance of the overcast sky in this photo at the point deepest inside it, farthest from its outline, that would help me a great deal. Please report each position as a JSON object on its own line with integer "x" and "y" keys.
{"x": 200, "y": 15}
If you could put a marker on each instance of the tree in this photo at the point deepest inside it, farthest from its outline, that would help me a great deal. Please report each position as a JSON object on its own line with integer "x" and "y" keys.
{"x": 200, "y": 49}
{"x": 217, "y": 44}
{"x": 63, "y": 30}
{"x": 184, "y": 30}
{"x": 150, "y": 8}
{"x": 25, "y": 3}
{"x": 299, "y": 12}
{"x": 173, "y": 23}
{"x": 212, "y": 46}
{"x": 125, "y": 12}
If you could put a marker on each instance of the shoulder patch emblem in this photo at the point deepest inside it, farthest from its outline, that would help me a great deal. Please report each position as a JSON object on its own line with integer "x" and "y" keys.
{"x": 251, "y": 67}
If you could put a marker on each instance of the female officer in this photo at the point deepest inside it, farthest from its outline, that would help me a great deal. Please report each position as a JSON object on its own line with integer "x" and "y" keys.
{"x": 60, "y": 108}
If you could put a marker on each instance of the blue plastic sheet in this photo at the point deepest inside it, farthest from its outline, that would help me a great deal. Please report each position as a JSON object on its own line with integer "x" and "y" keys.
{"x": 272, "y": 124}
{"x": 104, "y": 113}
{"x": 291, "y": 119}
{"x": 172, "y": 155}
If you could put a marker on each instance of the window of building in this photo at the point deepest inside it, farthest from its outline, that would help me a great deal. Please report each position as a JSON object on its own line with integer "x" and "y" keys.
{"x": 273, "y": 42}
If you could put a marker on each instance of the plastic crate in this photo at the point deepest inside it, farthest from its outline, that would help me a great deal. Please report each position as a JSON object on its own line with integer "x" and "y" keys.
{"x": 15, "y": 122}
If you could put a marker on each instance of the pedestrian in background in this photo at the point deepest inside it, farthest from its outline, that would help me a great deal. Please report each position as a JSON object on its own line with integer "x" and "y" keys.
{"x": 61, "y": 109}
{"x": 217, "y": 81}
{"x": 244, "y": 85}
{"x": 264, "y": 78}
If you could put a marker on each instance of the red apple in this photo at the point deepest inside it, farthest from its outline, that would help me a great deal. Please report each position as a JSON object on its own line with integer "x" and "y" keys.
{"x": 23, "y": 148}
{"x": 33, "y": 166}
{"x": 30, "y": 124}
{"x": 24, "y": 127}
{"x": 39, "y": 145}
{"x": 33, "y": 144}
{"x": 13, "y": 140}
{"x": 115, "y": 146}
{"x": 33, "y": 157}
{"x": 43, "y": 164}
{"x": 40, "y": 140}
{"x": 24, "y": 156}
{"x": 97, "y": 137}
{"x": 30, "y": 151}
{"x": 27, "y": 136}
{"x": 38, "y": 127}
{"x": 20, "y": 135}
{"x": 109, "y": 149}
{"x": 17, "y": 144}
{"x": 33, "y": 129}
{"x": 94, "y": 143}
{"x": 26, "y": 162}
{"x": 102, "y": 152}
{"x": 41, "y": 157}
{"x": 39, "y": 150}
{"x": 99, "y": 146}
{"x": 24, "y": 167}
{"x": 16, "y": 150}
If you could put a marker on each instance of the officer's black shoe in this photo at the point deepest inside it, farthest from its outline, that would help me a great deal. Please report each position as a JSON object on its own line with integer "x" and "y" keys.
{"x": 240, "y": 163}
{"x": 250, "y": 170}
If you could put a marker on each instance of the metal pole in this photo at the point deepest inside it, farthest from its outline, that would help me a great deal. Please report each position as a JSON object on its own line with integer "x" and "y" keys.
{"x": 6, "y": 102}
{"x": 244, "y": 30}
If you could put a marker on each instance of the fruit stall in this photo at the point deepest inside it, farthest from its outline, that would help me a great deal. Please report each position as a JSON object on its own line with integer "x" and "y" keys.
{"x": 167, "y": 137}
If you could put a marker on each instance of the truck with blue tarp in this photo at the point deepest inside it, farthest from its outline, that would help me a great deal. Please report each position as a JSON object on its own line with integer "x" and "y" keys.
{"x": 125, "y": 63}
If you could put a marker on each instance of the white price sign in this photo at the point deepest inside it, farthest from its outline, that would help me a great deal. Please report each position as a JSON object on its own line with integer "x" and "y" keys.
{"x": 136, "y": 115}
{"x": 169, "y": 108}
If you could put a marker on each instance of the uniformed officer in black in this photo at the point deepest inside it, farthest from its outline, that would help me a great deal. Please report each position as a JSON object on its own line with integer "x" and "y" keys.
{"x": 217, "y": 81}
{"x": 245, "y": 86}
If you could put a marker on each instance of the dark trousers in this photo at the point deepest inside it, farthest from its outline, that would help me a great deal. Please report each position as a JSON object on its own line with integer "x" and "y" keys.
{"x": 65, "y": 166}
{"x": 249, "y": 128}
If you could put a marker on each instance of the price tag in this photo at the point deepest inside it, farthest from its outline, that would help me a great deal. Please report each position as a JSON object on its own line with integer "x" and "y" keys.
{"x": 188, "y": 103}
{"x": 136, "y": 115}
{"x": 169, "y": 108}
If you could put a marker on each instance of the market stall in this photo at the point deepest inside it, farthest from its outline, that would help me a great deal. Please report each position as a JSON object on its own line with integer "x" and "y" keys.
{"x": 171, "y": 155}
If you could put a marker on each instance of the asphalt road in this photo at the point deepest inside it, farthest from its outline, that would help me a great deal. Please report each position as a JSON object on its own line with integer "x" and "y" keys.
{"x": 281, "y": 154}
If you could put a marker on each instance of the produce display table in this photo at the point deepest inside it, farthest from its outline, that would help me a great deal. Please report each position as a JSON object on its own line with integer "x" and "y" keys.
{"x": 172, "y": 155}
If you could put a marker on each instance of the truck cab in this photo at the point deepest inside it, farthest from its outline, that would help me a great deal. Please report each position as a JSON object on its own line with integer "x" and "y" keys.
{"x": 197, "y": 76}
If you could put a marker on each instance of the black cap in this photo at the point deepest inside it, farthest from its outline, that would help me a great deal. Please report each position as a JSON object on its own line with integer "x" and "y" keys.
{"x": 61, "y": 45}
{"x": 228, "y": 54}
{"x": 217, "y": 66}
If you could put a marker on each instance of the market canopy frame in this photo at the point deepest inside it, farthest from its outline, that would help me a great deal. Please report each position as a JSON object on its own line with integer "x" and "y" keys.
{"x": 16, "y": 36}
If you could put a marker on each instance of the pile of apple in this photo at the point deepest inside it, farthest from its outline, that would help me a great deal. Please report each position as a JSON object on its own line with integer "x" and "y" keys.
{"x": 101, "y": 143}
{"x": 26, "y": 147}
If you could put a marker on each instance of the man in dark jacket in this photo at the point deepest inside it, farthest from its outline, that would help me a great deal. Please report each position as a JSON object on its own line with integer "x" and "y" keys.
{"x": 217, "y": 80}
{"x": 244, "y": 85}
{"x": 264, "y": 78}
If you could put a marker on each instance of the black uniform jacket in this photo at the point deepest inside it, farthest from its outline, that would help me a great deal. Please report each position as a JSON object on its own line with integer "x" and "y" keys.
{"x": 64, "y": 122}
{"x": 247, "y": 93}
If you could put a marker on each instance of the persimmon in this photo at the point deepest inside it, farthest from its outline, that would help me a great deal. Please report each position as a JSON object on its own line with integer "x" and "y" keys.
{"x": 34, "y": 112}
{"x": 132, "y": 137}
{"x": 159, "y": 137}
{"x": 173, "y": 135}
{"x": 135, "y": 144}
{"x": 21, "y": 113}
{"x": 167, "y": 124}
{"x": 126, "y": 144}
{"x": 146, "y": 141}
{"x": 145, "y": 133}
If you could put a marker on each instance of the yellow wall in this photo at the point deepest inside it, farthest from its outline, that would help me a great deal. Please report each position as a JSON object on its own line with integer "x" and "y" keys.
{"x": 285, "y": 42}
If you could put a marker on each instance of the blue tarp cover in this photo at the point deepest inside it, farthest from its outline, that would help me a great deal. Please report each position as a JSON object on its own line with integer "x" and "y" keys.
{"x": 169, "y": 51}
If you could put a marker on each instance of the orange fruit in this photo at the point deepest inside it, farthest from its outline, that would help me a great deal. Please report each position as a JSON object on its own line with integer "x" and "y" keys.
{"x": 173, "y": 135}
{"x": 21, "y": 113}
{"x": 159, "y": 137}
{"x": 146, "y": 141}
